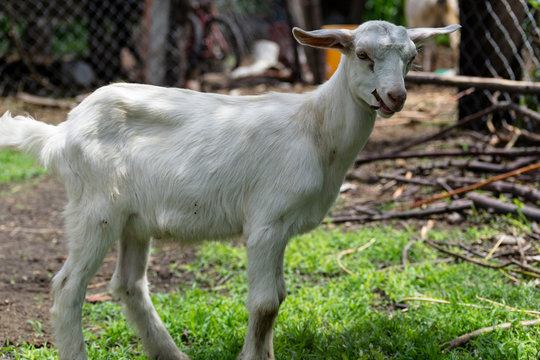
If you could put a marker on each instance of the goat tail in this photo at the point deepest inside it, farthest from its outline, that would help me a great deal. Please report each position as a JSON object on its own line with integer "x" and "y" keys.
{"x": 25, "y": 134}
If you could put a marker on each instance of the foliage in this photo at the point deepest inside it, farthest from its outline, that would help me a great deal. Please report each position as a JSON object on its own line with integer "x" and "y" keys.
{"x": 389, "y": 10}
{"x": 330, "y": 314}
{"x": 71, "y": 38}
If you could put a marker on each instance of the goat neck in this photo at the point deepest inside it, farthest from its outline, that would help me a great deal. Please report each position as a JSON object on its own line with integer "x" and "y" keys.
{"x": 342, "y": 122}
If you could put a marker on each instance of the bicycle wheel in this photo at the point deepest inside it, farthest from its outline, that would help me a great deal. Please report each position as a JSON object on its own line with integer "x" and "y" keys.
{"x": 184, "y": 48}
{"x": 222, "y": 46}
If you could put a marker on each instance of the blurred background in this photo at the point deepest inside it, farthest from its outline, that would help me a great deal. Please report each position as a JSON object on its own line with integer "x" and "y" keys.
{"x": 62, "y": 48}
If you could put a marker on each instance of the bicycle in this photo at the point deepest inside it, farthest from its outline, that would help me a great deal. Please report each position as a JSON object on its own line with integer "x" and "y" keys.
{"x": 201, "y": 41}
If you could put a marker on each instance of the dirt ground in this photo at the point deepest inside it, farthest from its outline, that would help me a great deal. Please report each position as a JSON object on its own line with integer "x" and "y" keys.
{"x": 32, "y": 243}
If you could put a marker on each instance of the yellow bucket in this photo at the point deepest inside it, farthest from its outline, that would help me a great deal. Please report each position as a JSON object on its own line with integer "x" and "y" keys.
{"x": 334, "y": 56}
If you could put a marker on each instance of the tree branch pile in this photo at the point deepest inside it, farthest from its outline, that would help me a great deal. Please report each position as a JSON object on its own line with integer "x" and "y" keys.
{"x": 454, "y": 175}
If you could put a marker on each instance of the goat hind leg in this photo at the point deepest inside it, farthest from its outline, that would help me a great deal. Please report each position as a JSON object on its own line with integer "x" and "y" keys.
{"x": 88, "y": 246}
{"x": 130, "y": 285}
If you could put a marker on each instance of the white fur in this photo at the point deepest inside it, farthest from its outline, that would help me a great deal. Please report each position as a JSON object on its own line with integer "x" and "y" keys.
{"x": 142, "y": 162}
{"x": 430, "y": 13}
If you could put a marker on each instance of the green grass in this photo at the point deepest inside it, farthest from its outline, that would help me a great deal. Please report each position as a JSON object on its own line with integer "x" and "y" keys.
{"x": 330, "y": 314}
{"x": 16, "y": 166}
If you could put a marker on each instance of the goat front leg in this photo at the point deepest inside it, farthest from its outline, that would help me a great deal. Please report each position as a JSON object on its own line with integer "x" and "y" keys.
{"x": 265, "y": 249}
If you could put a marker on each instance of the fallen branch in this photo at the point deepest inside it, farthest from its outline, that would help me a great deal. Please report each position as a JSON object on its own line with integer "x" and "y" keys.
{"x": 44, "y": 101}
{"x": 477, "y": 185}
{"x": 528, "y": 312}
{"x": 455, "y": 206}
{"x": 18, "y": 229}
{"x": 419, "y": 263}
{"x": 477, "y": 165}
{"x": 509, "y": 86}
{"x": 461, "y": 340}
{"x": 526, "y": 267}
{"x": 514, "y": 152}
{"x": 463, "y": 246}
{"x": 500, "y": 207}
{"x": 526, "y": 192}
{"x": 404, "y": 179}
{"x": 405, "y": 251}
{"x": 467, "y": 258}
{"x": 504, "y": 105}
{"x": 350, "y": 251}
{"x": 439, "y": 301}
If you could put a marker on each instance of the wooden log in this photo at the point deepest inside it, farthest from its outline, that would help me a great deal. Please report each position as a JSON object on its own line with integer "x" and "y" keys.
{"x": 455, "y": 206}
{"x": 493, "y": 84}
{"x": 514, "y": 152}
{"x": 478, "y": 185}
{"x": 526, "y": 192}
{"x": 500, "y": 207}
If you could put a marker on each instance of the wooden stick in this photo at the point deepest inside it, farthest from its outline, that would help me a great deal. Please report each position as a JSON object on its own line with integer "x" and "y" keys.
{"x": 455, "y": 206}
{"x": 526, "y": 192}
{"x": 500, "y": 207}
{"x": 477, "y": 185}
{"x": 350, "y": 251}
{"x": 401, "y": 266}
{"x": 467, "y": 258}
{"x": 490, "y": 253}
{"x": 406, "y": 248}
{"x": 528, "y": 312}
{"x": 515, "y": 152}
{"x": 459, "y": 341}
{"x": 510, "y": 86}
{"x": 438, "y": 301}
{"x": 526, "y": 267}
{"x": 44, "y": 101}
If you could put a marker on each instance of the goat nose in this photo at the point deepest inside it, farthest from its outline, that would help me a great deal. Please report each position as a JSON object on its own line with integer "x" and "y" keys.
{"x": 397, "y": 96}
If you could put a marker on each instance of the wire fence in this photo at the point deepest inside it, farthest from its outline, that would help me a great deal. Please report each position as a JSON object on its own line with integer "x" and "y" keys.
{"x": 499, "y": 39}
{"x": 65, "y": 47}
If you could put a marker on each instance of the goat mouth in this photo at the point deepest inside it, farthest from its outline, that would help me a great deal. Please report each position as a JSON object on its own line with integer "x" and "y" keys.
{"x": 383, "y": 108}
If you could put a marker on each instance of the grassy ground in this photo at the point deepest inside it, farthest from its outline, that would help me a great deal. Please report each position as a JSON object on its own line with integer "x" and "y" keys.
{"x": 15, "y": 166}
{"x": 330, "y": 314}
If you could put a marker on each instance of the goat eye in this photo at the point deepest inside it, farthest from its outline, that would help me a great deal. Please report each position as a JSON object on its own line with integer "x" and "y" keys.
{"x": 412, "y": 59}
{"x": 362, "y": 55}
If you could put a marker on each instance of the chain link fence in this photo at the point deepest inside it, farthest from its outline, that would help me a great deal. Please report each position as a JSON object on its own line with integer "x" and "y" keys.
{"x": 499, "y": 39}
{"x": 65, "y": 47}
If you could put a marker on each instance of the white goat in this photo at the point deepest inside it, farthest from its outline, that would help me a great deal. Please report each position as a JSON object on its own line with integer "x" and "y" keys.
{"x": 141, "y": 162}
{"x": 430, "y": 13}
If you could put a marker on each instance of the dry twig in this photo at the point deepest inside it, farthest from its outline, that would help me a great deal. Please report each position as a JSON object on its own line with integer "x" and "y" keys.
{"x": 528, "y": 312}
{"x": 514, "y": 152}
{"x": 467, "y": 258}
{"x": 510, "y": 86}
{"x": 477, "y": 185}
{"x": 455, "y": 206}
{"x": 500, "y": 207}
{"x": 459, "y": 341}
{"x": 350, "y": 251}
{"x": 439, "y": 301}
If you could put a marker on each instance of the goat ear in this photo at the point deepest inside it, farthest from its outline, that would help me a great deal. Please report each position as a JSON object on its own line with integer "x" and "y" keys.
{"x": 421, "y": 34}
{"x": 339, "y": 39}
